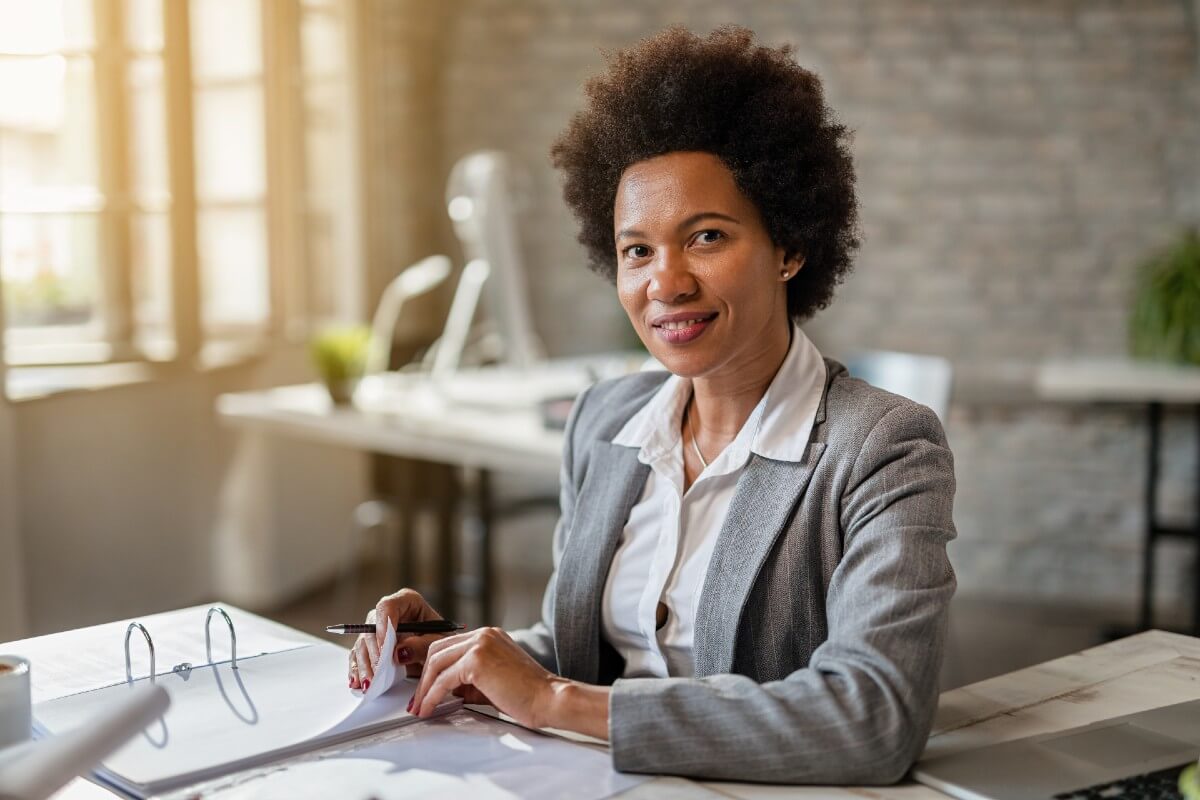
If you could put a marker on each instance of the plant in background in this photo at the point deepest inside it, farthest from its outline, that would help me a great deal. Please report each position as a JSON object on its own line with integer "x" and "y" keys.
{"x": 1189, "y": 787}
{"x": 1165, "y": 323}
{"x": 339, "y": 355}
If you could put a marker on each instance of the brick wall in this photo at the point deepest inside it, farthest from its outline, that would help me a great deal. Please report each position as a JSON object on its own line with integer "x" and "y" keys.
{"x": 1015, "y": 157}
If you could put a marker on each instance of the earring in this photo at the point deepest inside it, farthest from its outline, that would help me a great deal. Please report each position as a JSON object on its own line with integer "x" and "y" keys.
{"x": 783, "y": 273}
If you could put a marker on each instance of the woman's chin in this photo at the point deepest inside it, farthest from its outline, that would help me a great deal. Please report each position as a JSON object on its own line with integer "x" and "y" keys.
{"x": 684, "y": 363}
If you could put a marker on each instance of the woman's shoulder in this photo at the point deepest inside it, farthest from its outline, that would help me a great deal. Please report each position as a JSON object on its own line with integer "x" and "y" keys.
{"x": 854, "y": 410}
{"x": 605, "y": 407}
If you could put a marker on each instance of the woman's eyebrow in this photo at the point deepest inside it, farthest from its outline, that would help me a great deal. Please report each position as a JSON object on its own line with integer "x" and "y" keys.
{"x": 694, "y": 218}
{"x": 687, "y": 223}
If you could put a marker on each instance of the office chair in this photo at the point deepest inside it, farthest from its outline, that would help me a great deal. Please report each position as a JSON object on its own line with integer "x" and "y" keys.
{"x": 925, "y": 379}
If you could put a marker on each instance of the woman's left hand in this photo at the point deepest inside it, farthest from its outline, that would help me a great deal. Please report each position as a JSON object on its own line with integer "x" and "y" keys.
{"x": 488, "y": 663}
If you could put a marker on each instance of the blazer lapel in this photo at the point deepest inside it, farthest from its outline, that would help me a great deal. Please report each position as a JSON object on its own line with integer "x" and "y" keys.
{"x": 766, "y": 495}
{"x": 614, "y": 482}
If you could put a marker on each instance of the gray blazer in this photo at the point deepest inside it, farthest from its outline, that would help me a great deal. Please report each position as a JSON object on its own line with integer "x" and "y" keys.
{"x": 821, "y": 621}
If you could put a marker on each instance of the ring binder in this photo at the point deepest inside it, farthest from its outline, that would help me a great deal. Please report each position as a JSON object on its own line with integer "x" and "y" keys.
{"x": 185, "y": 667}
{"x": 149, "y": 643}
{"x": 208, "y": 636}
{"x": 286, "y": 697}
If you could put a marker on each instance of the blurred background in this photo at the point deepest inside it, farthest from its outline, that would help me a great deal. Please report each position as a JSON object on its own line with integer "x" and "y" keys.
{"x": 192, "y": 190}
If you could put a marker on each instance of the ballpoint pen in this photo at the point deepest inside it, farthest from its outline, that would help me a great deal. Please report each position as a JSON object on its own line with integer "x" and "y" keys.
{"x": 427, "y": 626}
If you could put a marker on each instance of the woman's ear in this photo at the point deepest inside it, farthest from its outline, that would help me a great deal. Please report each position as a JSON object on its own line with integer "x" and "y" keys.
{"x": 791, "y": 265}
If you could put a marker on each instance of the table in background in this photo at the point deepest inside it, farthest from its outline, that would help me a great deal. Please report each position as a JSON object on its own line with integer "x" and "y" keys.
{"x": 1153, "y": 385}
{"x": 481, "y": 421}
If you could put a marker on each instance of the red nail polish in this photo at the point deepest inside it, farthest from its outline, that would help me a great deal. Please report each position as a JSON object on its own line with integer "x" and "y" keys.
{"x": 410, "y": 702}
{"x": 404, "y": 654}
{"x": 366, "y": 685}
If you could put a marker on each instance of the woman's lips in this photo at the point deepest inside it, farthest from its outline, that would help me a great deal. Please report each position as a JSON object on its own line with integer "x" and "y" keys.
{"x": 683, "y": 331}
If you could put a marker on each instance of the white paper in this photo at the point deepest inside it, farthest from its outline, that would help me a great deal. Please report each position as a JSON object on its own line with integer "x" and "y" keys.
{"x": 91, "y": 658}
{"x": 461, "y": 755}
{"x": 385, "y": 671}
{"x": 222, "y": 720}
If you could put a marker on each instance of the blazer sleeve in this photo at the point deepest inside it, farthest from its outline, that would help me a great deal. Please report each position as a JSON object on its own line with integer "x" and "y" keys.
{"x": 861, "y": 710}
{"x": 538, "y": 640}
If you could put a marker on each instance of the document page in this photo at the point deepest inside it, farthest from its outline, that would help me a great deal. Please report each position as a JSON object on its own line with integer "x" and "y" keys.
{"x": 91, "y": 658}
{"x": 461, "y": 755}
{"x": 222, "y": 720}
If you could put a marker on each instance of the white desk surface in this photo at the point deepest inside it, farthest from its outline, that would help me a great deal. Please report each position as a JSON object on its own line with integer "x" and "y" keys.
{"x": 486, "y": 417}
{"x": 412, "y": 421}
{"x": 1123, "y": 677}
{"x": 1117, "y": 380}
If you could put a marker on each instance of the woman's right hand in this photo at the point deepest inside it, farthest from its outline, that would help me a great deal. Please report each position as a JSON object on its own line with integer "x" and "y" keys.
{"x": 405, "y": 605}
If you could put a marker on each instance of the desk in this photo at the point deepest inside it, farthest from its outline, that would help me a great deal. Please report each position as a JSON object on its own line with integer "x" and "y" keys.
{"x": 483, "y": 420}
{"x": 1134, "y": 674}
{"x": 1153, "y": 385}
{"x": 407, "y": 417}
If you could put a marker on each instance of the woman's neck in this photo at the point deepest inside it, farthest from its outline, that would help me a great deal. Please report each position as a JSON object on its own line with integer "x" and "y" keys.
{"x": 723, "y": 402}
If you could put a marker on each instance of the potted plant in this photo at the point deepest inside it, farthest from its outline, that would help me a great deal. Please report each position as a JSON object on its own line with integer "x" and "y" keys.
{"x": 1165, "y": 323}
{"x": 339, "y": 354}
{"x": 1189, "y": 786}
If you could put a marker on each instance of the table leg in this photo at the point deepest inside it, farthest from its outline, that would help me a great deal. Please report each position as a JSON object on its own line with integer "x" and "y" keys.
{"x": 1196, "y": 534}
{"x": 405, "y": 501}
{"x": 1154, "y": 434}
{"x": 484, "y": 508}
{"x": 405, "y": 531}
{"x": 447, "y": 534}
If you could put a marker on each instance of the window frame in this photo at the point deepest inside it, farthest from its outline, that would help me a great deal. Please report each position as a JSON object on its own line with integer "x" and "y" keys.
{"x": 289, "y": 267}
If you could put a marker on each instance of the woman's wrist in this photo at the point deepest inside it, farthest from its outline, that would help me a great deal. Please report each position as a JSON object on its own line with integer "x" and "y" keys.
{"x": 578, "y": 707}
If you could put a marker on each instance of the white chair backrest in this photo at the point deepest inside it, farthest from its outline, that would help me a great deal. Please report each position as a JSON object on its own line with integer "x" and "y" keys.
{"x": 925, "y": 379}
{"x": 417, "y": 279}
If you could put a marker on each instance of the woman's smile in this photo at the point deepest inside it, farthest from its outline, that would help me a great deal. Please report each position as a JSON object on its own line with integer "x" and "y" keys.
{"x": 682, "y": 327}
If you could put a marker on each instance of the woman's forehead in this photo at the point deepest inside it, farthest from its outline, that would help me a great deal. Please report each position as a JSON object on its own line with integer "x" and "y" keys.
{"x": 675, "y": 186}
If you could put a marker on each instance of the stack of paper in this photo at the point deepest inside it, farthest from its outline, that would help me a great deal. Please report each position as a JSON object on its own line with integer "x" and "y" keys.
{"x": 223, "y": 720}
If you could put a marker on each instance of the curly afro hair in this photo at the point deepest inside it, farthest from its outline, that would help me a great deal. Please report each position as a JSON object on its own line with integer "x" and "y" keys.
{"x": 755, "y": 109}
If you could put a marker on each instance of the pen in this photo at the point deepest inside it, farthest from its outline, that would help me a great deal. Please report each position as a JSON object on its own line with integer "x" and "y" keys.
{"x": 428, "y": 626}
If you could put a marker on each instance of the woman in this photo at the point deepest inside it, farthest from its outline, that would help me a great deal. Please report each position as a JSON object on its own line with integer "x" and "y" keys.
{"x": 751, "y": 578}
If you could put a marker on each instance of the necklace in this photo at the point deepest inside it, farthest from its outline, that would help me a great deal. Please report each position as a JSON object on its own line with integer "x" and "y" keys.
{"x": 695, "y": 446}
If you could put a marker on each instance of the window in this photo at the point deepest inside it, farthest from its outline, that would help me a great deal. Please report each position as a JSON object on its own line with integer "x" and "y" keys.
{"x": 142, "y": 213}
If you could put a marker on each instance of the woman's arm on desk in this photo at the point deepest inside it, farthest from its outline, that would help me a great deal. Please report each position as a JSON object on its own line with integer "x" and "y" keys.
{"x": 488, "y": 662}
{"x": 517, "y": 672}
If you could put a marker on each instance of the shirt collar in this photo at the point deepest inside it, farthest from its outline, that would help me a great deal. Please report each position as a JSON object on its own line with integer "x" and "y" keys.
{"x": 655, "y": 428}
{"x": 781, "y": 422}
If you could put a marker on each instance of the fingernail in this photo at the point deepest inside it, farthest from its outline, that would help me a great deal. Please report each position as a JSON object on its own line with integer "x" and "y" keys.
{"x": 410, "y": 702}
{"x": 350, "y": 683}
{"x": 366, "y": 685}
{"x": 404, "y": 654}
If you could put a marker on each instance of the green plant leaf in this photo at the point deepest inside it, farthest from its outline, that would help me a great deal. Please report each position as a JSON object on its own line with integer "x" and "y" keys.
{"x": 339, "y": 353}
{"x": 1164, "y": 320}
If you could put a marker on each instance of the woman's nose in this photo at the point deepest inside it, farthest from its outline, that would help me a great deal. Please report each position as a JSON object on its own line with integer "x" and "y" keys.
{"x": 671, "y": 281}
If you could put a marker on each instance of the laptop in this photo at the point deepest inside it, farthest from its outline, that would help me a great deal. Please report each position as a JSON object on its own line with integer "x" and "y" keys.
{"x": 1134, "y": 756}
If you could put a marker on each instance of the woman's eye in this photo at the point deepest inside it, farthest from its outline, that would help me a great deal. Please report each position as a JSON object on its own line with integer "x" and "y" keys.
{"x": 709, "y": 237}
{"x": 637, "y": 251}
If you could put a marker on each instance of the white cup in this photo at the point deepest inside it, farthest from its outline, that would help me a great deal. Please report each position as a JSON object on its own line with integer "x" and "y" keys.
{"x": 16, "y": 715}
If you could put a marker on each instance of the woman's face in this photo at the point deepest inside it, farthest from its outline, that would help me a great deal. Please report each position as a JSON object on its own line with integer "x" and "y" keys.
{"x": 697, "y": 272}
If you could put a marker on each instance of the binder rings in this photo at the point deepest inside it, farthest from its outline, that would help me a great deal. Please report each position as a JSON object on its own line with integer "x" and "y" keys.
{"x": 233, "y": 714}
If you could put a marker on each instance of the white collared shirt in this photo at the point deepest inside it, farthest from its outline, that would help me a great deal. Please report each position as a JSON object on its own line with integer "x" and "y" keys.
{"x": 669, "y": 538}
